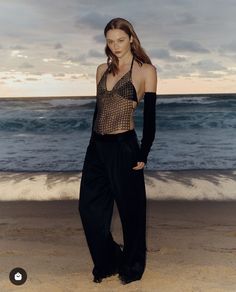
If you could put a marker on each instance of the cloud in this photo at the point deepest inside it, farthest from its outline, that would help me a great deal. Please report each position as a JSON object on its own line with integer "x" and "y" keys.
{"x": 95, "y": 53}
{"x": 93, "y": 20}
{"x": 17, "y": 53}
{"x": 74, "y": 77}
{"x": 59, "y": 74}
{"x": 62, "y": 55}
{"x": 185, "y": 18}
{"x": 164, "y": 54}
{"x": 31, "y": 79}
{"x": 175, "y": 70}
{"x": 47, "y": 60}
{"x": 187, "y": 46}
{"x": 230, "y": 47}
{"x": 100, "y": 38}
{"x": 228, "y": 50}
{"x": 18, "y": 47}
{"x": 208, "y": 65}
{"x": 57, "y": 46}
{"x": 26, "y": 65}
{"x": 205, "y": 68}
{"x": 36, "y": 73}
{"x": 78, "y": 59}
{"x": 6, "y": 77}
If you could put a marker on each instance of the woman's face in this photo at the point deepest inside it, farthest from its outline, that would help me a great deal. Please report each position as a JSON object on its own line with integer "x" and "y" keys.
{"x": 118, "y": 42}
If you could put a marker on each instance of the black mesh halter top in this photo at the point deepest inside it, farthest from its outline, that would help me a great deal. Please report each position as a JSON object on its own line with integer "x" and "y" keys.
{"x": 115, "y": 107}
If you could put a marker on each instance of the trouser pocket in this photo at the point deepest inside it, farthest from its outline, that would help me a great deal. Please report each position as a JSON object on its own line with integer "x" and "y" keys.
{"x": 131, "y": 148}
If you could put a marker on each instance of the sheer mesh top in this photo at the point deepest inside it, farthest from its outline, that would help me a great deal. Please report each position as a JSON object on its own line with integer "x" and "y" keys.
{"x": 115, "y": 107}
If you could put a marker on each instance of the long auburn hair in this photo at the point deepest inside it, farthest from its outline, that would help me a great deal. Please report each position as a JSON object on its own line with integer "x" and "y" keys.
{"x": 138, "y": 52}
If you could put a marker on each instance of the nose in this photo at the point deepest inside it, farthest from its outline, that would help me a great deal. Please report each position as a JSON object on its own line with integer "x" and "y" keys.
{"x": 116, "y": 46}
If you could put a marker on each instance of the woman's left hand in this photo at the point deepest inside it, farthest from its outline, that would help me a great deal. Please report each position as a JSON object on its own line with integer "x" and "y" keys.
{"x": 140, "y": 165}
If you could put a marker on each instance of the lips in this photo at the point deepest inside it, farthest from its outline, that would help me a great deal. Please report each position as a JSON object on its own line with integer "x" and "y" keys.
{"x": 117, "y": 52}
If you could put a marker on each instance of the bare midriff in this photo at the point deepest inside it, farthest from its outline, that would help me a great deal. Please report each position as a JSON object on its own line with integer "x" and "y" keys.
{"x": 119, "y": 131}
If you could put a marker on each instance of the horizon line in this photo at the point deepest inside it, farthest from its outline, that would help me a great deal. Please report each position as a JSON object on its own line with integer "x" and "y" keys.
{"x": 92, "y": 96}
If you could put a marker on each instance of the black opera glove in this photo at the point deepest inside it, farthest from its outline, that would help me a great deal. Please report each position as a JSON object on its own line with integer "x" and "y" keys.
{"x": 149, "y": 125}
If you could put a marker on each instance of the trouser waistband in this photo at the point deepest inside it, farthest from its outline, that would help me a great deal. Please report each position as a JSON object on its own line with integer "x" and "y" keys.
{"x": 113, "y": 137}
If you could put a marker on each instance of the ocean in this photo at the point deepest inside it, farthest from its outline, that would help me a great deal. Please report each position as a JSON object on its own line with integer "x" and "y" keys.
{"x": 193, "y": 132}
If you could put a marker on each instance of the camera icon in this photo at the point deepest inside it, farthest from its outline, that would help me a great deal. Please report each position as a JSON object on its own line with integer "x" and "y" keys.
{"x": 18, "y": 276}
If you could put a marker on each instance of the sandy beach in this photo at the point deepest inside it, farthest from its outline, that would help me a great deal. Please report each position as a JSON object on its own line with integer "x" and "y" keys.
{"x": 191, "y": 247}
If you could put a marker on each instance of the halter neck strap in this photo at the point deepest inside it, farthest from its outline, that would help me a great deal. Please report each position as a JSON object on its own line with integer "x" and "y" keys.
{"x": 131, "y": 68}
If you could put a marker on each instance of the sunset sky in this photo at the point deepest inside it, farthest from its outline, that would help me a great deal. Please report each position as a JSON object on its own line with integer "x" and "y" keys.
{"x": 52, "y": 48}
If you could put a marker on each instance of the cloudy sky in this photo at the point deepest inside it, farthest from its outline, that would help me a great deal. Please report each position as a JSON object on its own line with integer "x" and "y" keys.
{"x": 51, "y": 48}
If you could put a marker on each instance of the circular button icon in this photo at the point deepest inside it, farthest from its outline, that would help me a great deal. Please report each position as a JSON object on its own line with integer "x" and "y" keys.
{"x": 18, "y": 276}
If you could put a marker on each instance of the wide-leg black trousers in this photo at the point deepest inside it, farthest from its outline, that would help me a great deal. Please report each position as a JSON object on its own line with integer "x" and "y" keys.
{"x": 107, "y": 176}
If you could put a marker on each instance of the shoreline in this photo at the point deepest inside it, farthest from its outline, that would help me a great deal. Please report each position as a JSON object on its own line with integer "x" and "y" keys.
{"x": 215, "y": 185}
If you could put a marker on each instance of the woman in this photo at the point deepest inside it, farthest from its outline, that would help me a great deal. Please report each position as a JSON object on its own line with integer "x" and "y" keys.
{"x": 114, "y": 161}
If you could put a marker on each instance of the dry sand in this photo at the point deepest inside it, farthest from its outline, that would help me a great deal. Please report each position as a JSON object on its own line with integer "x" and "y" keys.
{"x": 191, "y": 247}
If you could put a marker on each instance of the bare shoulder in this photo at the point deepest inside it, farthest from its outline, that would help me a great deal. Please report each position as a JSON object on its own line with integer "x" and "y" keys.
{"x": 100, "y": 71}
{"x": 150, "y": 77}
{"x": 102, "y": 67}
{"x": 149, "y": 69}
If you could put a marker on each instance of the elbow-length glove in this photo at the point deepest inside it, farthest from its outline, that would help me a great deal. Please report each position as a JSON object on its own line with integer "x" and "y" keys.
{"x": 149, "y": 125}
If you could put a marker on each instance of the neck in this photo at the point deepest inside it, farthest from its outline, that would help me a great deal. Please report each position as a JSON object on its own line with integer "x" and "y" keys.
{"x": 127, "y": 59}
